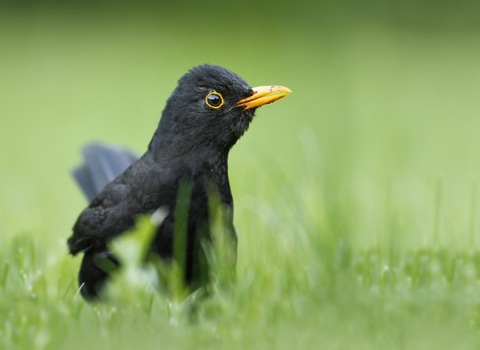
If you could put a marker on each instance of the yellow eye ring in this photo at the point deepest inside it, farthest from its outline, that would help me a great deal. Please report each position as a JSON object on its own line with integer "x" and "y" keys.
{"x": 214, "y": 100}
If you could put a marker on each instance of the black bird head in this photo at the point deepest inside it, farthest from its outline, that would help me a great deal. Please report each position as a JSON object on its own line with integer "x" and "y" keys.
{"x": 210, "y": 109}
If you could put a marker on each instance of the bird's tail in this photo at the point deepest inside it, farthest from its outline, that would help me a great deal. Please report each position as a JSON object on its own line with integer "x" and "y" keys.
{"x": 103, "y": 163}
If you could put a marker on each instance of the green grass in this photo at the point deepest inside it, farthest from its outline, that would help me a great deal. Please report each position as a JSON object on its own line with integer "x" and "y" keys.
{"x": 356, "y": 198}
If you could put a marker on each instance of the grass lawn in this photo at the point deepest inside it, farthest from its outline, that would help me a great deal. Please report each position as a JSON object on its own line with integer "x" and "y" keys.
{"x": 356, "y": 197}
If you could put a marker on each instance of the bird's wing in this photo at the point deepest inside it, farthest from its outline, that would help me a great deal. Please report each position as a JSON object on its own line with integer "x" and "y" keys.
{"x": 107, "y": 216}
{"x": 103, "y": 163}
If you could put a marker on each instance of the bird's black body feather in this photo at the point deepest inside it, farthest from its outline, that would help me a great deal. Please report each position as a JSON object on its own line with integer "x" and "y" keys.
{"x": 190, "y": 145}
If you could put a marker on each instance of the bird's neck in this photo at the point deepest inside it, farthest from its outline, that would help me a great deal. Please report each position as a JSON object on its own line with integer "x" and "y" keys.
{"x": 205, "y": 164}
{"x": 197, "y": 155}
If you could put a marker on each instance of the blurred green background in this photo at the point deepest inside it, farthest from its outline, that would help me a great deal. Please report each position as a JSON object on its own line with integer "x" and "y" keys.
{"x": 384, "y": 113}
{"x": 388, "y": 91}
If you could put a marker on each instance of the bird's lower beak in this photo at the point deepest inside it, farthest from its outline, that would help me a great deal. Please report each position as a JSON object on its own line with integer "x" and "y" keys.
{"x": 263, "y": 95}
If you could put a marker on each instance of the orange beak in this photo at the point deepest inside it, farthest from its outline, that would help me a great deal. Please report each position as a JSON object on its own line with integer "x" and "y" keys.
{"x": 263, "y": 95}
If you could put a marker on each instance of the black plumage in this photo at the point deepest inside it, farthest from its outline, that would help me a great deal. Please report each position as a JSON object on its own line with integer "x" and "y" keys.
{"x": 207, "y": 113}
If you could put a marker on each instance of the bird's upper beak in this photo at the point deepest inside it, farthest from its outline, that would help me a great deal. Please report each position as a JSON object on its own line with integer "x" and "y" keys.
{"x": 263, "y": 95}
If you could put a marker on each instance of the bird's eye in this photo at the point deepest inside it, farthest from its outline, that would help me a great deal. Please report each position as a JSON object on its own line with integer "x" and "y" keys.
{"x": 214, "y": 100}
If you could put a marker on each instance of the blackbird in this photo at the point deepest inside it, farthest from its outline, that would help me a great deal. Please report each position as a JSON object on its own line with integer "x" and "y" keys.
{"x": 206, "y": 114}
